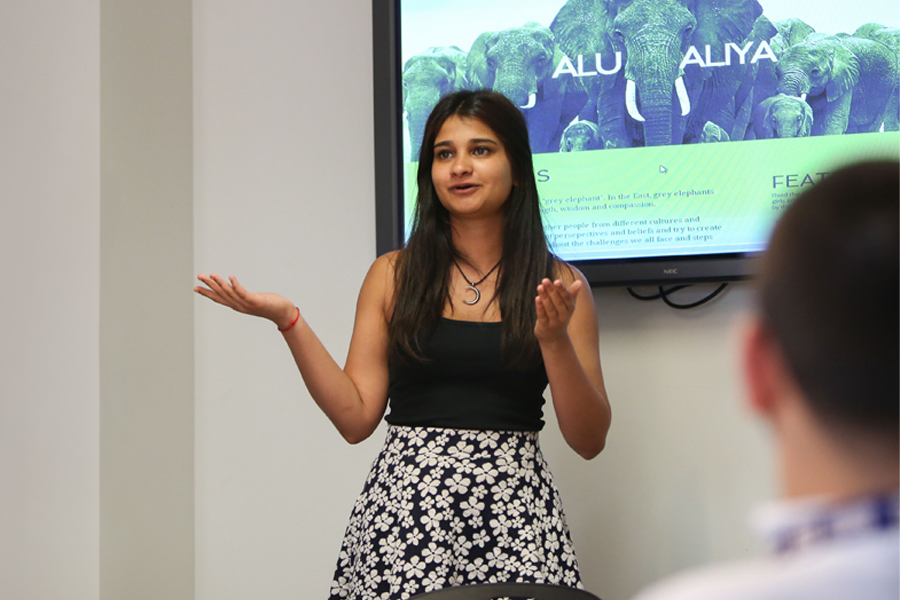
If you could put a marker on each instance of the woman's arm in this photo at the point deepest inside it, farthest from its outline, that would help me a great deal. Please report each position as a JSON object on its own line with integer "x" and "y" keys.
{"x": 566, "y": 330}
{"x": 353, "y": 398}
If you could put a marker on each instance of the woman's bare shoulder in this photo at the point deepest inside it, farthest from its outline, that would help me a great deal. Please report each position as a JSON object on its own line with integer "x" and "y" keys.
{"x": 386, "y": 264}
{"x": 566, "y": 272}
{"x": 379, "y": 283}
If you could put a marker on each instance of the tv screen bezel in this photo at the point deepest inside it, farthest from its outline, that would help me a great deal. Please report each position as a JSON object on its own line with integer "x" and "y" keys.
{"x": 388, "y": 146}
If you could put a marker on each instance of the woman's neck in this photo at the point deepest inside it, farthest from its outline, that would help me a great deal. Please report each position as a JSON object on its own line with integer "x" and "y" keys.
{"x": 479, "y": 242}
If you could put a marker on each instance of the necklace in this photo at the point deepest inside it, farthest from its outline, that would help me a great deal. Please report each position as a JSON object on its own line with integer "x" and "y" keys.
{"x": 473, "y": 285}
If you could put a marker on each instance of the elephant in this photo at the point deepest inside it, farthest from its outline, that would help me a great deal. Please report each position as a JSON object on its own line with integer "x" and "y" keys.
{"x": 642, "y": 87}
{"x": 851, "y": 83}
{"x": 519, "y": 63}
{"x": 759, "y": 80}
{"x": 712, "y": 133}
{"x": 426, "y": 78}
{"x": 782, "y": 35}
{"x": 889, "y": 36}
{"x": 581, "y": 135}
{"x": 782, "y": 116}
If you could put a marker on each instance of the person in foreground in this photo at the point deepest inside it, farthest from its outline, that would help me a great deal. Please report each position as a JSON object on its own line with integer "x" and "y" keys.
{"x": 821, "y": 367}
{"x": 462, "y": 330}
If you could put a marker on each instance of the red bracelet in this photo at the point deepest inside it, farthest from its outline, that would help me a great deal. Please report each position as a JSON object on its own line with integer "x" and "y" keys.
{"x": 294, "y": 322}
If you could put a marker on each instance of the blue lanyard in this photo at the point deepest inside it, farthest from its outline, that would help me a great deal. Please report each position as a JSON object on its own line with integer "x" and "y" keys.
{"x": 842, "y": 521}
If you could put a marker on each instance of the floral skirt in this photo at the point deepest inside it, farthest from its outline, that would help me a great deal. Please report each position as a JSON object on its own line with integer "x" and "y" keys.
{"x": 449, "y": 507}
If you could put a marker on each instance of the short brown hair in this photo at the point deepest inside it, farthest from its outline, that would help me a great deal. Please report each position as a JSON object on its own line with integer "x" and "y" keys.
{"x": 829, "y": 288}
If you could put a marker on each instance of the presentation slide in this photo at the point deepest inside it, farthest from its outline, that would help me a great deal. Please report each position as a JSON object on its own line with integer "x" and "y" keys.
{"x": 660, "y": 129}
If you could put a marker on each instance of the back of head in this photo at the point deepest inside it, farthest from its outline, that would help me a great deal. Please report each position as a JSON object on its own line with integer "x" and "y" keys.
{"x": 829, "y": 289}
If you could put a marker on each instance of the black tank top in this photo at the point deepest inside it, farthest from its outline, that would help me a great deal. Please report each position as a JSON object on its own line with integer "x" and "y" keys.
{"x": 465, "y": 384}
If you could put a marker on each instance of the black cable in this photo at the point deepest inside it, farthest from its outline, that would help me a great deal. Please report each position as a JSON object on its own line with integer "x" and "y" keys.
{"x": 665, "y": 293}
{"x": 656, "y": 296}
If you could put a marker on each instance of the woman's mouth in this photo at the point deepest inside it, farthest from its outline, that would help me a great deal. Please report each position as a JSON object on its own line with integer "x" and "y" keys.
{"x": 463, "y": 188}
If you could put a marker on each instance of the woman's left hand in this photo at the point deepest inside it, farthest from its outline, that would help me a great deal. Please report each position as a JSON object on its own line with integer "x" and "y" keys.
{"x": 572, "y": 360}
{"x": 555, "y": 305}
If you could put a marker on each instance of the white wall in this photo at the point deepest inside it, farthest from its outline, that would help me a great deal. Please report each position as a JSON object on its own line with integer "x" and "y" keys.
{"x": 284, "y": 200}
{"x": 96, "y": 389}
{"x": 49, "y": 311}
{"x": 146, "y": 308}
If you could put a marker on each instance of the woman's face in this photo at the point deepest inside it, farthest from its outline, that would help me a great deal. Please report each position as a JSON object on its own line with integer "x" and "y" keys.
{"x": 471, "y": 172}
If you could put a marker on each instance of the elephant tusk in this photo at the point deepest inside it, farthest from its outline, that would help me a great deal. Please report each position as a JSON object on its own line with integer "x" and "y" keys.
{"x": 631, "y": 100}
{"x": 532, "y": 100}
{"x": 802, "y": 97}
{"x": 682, "y": 94}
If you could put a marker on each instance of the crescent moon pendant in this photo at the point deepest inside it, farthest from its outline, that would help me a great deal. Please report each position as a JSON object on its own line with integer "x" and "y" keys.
{"x": 477, "y": 295}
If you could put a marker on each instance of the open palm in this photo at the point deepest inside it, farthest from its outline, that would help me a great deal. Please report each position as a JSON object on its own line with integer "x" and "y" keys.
{"x": 232, "y": 294}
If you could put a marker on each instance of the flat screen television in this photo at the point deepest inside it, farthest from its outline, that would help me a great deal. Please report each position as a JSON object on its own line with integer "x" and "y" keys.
{"x": 667, "y": 134}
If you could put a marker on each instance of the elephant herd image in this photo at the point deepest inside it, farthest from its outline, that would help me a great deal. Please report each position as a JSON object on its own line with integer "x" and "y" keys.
{"x": 627, "y": 73}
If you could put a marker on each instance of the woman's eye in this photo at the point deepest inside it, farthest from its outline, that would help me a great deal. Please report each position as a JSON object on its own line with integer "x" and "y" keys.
{"x": 480, "y": 151}
{"x": 443, "y": 154}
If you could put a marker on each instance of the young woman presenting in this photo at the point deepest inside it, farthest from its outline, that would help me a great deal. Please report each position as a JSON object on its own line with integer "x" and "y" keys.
{"x": 461, "y": 331}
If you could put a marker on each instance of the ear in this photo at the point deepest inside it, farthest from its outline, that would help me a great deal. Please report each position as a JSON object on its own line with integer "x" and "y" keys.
{"x": 761, "y": 368}
{"x": 768, "y": 121}
{"x": 459, "y": 65}
{"x": 595, "y": 134}
{"x": 844, "y": 72}
{"x": 478, "y": 74}
{"x": 719, "y": 22}
{"x": 412, "y": 61}
{"x": 806, "y": 121}
{"x": 795, "y": 32}
{"x": 449, "y": 68}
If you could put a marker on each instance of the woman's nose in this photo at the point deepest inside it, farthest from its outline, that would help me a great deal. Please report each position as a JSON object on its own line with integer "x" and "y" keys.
{"x": 462, "y": 165}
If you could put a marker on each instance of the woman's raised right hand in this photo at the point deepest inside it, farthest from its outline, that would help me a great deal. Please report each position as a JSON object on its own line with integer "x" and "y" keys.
{"x": 277, "y": 309}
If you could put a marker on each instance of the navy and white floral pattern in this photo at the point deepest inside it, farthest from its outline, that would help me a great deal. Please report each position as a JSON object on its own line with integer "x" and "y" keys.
{"x": 446, "y": 507}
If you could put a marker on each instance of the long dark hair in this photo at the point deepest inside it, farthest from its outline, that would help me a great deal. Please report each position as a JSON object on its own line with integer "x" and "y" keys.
{"x": 422, "y": 274}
